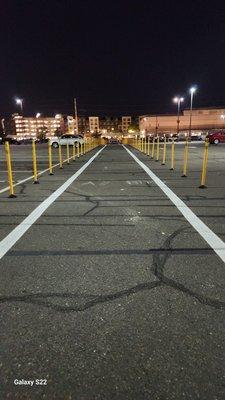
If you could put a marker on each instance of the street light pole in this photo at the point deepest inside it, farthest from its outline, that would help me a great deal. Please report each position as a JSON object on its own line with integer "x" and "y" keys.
{"x": 223, "y": 118}
{"x": 178, "y": 100}
{"x": 192, "y": 91}
{"x": 75, "y": 114}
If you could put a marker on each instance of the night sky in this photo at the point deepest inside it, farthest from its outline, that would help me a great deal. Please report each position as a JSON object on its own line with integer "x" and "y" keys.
{"x": 116, "y": 57}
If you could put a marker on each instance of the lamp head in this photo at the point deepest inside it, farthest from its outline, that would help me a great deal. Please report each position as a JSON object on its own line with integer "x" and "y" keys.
{"x": 192, "y": 89}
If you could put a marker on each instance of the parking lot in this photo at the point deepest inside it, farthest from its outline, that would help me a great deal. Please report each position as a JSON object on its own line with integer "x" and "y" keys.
{"x": 107, "y": 290}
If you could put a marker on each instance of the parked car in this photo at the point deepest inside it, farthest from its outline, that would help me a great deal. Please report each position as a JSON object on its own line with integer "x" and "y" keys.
{"x": 114, "y": 141}
{"x": 67, "y": 139}
{"x": 11, "y": 140}
{"x": 216, "y": 137}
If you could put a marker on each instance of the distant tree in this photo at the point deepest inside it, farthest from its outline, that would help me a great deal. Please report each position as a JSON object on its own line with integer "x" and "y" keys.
{"x": 42, "y": 132}
{"x": 58, "y": 132}
{"x": 133, "y": 128}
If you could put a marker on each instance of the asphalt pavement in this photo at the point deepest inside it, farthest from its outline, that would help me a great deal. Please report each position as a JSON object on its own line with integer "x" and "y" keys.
{"x": 111, "y": 293}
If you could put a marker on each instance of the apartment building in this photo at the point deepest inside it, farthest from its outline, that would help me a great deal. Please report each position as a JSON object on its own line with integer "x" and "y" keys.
{"x": 94, "y": 124}
{"x": 126, "y": 122}
{"x": 28, "y": 127}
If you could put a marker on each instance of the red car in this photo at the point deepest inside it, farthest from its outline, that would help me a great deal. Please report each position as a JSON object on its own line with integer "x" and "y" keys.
{"x": 216, "y": 137}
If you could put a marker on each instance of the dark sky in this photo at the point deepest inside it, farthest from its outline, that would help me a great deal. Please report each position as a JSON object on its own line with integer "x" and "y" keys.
{"x": 116, "y": 57}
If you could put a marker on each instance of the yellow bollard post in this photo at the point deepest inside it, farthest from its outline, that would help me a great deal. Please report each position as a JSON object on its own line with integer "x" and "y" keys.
{"x": 153, "y": 148}
{"x": 78, "y": 149}
{"x": 34, "y": 157}
{"x": 157, "y": 149}
{"x": 186, "y": 146}
{"x": 74, "y": 152}
{"x": 172, "y": 155}
{"x": 84, "y": 146}
{"x": 9, "y": 170}
{"x": 148, "y": 152}
{"x": 67, "y": 153}
{"x": 145, "y": 148}
{"x": 204, "y": 165}
{"x": 60, "y": 157}
{"x": 164, "y": 152}
{"x": 50, "y": 157}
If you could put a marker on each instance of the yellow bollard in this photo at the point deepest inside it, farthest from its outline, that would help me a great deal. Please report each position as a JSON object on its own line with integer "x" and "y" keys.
{"x": 9, "y": 170}
{"x": 157, "y": 149}
{"x": 148, "y": 152}
{"x": 74, "y": 152}
{"x": 60, "y": 157}
{"x": 50, "y": 157}
{"x": 84, "y": 146}
{"x": 204, "y": 165}
{"x": 34, "y": 157}
{"x": 78, "y": 149}
{"x": 164, "y": 152}
{"x": 153, "y": 148}
{"x": 184, "y": 175}
{"x": 67, "y": 153}
{"x": 172, "y": 155}
{"x": 145, "y": 148}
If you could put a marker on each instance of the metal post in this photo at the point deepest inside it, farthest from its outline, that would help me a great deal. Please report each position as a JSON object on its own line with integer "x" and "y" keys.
{"x": 164, "y": 152}
{"x": 172, "y": 155}
{"x": 153, "y": 148}
{"x": 148, "y": 153}
{"x": 204, "y": 165}
{"x": 60, "y": 156}
{"x": 184, "y": 175}
{"x": 34, "y": 157}
{"x": 50, "y": 157}
{"x": 9, "y": 170}
{"x": 74, "y": 152}
{"x": 75, "y": 113}
{"x": 67, "y": 153}
{"x": 157, "y": 150}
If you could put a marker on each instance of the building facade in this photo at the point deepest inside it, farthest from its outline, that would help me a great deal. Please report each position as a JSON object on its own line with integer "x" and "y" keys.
{"x": 39, "y": 126}
{"x": 32, "y": 127}
{"x": 94, "y": 124}
{"x": 126, "y": 122}
{"x": 203, "y": 119}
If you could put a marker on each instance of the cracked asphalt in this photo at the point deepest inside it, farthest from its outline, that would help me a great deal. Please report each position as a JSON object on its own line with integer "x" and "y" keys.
{"x": 111, "y": 294}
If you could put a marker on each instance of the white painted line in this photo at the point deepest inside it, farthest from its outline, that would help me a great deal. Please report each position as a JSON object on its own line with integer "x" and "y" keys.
{"x": 18, "y": 232}
{"x": 204, "y": 231}
{"x": 31, "y": 176}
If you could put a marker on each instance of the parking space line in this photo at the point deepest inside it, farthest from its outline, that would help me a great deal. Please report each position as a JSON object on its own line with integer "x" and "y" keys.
{"x": 18, "y": 232}
{"x": 204, "y": 231}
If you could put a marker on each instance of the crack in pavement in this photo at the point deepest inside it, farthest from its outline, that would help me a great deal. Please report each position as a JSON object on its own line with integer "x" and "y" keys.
{"x": 87, "y": 301}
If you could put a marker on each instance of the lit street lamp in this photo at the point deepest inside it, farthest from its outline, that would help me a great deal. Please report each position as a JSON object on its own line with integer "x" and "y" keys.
{"x": 178, "y": 101}
{"x": 192, "y": 91}
{"x": 20, "y": 101}
{"x": 38, "y": 115}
